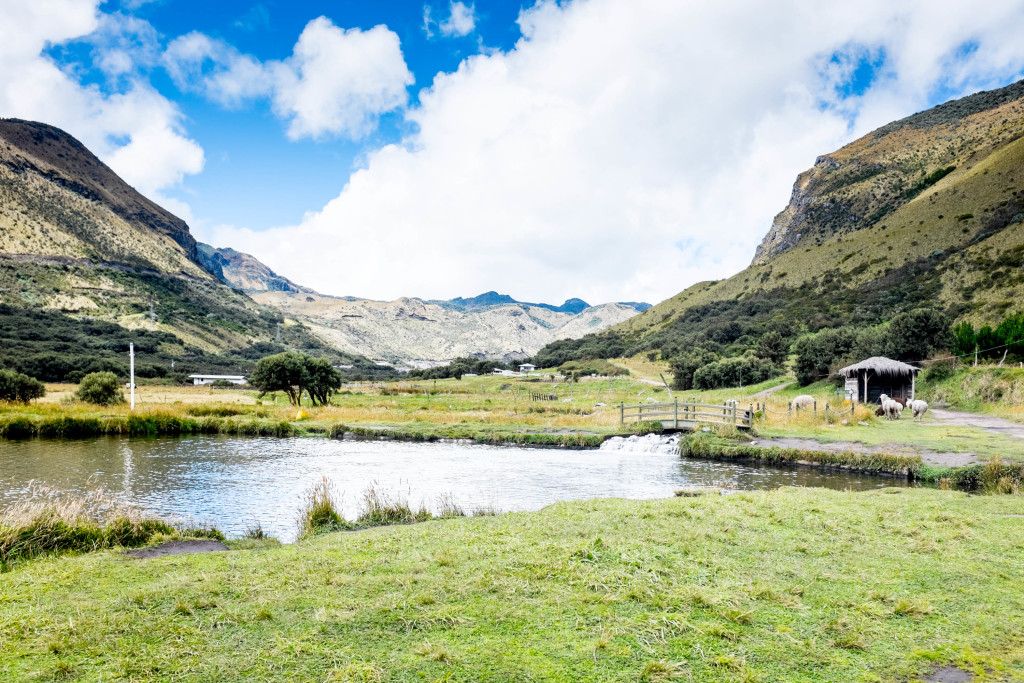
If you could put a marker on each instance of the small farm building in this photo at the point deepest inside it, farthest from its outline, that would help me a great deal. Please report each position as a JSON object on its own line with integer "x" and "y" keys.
{"x": 869, "y": 379}
{"x": 210, "y": 379}
{"x": 526, "y": 367}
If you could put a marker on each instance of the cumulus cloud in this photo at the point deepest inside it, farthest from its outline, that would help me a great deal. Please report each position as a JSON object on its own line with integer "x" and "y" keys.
{"x": 132, "y": 127}
{"x": 625, "y": 149}
{"x": 461, "y": 20}
{"x": 336, "y": 82}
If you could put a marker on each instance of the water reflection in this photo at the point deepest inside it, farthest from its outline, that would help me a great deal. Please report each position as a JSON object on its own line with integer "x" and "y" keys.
{"x": 230, "y": 482}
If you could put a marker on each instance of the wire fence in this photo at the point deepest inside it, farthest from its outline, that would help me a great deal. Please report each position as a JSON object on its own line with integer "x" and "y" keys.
{"x": 797, "y": 410}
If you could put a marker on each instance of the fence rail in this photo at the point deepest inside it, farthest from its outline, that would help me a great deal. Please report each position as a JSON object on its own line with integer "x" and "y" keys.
{"x": 686, "y": 415}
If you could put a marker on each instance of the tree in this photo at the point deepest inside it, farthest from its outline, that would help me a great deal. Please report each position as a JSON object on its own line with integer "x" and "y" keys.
{"x": 1011, "y": 333}
{"x": 322, "y": 380}
{"x": 917, "y": 334}
{"x": 15, "y": 386}
{"x": 685, "y": 365}
{"x": 817, "y": 353}
{"x": 965, "y": 339}
{"x": 733, "y": 372}
{"x": 281, "y": 372}
{"x": 101, "y": 388}
{"x": 296, "y": 373}
{"x": 773, "y": 347}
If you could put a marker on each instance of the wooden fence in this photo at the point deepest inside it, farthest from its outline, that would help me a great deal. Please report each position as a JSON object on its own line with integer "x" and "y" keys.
{"x": 687, "y": 415}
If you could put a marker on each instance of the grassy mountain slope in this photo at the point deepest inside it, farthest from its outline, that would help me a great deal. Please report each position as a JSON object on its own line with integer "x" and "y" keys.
{"x": 87, "y": 263}
{"x": 926, "y": 210}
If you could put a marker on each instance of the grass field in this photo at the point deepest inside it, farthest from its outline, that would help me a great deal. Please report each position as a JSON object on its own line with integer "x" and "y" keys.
{"x": 788, "y": 585}
{"x": 499, "y": 409}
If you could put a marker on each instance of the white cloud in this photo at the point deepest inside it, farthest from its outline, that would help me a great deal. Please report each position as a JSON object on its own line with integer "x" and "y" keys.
{"x": 336, "y": 82}
{"x": 461, "y": 20}
{"x": 133, "y": 128}
{"x": 626, "y": 148}
{"x": 215, "y": 69}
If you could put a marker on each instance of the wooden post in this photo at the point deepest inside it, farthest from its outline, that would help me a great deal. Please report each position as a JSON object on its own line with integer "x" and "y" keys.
{"x": 734, "y": 413}
{"x": 789, "y": 412}
{"x": 622, "y": 413}
{"x": 913, "y": 385}
{"x": 815, "y": 409}
{"x": 826, "y": 413}
{"x": 676, "y": 416}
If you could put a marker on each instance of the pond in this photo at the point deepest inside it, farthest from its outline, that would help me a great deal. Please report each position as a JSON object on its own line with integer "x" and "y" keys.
{"x": 231, "y": 482}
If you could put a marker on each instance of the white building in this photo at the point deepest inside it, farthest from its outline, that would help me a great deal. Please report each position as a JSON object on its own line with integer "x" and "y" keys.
{"x": 210, "y": 379}
{"x": 526, "y": 367}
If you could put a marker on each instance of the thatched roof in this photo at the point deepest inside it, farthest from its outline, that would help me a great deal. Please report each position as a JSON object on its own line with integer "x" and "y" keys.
{"x": 880, "y": 366}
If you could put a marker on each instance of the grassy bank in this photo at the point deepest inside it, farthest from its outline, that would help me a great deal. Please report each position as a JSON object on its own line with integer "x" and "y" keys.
{"x": 710, "y": 446}
{"x": 796, "y": 585}
{"x": 984, "y": 389}
{"x": 48, "y": 521}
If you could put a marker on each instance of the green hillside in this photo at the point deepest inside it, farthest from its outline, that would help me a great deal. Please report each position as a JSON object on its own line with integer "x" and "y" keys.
{"x": 88, "y": 264}
{"x": 924, "y": 212}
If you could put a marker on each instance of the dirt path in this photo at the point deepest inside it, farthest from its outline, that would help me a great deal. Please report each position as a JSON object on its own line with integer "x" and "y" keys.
{"x": 992, "y": 424}
{"x": 179, "y": 548}
{"x": 928, "y": 457}
{"x": 768, "y": 392}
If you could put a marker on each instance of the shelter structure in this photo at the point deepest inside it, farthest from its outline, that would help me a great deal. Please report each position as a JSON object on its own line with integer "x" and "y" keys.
{"x": 869, "y": 379}
{"x": 210, "y": 379}
{"x": 527, "y": 367}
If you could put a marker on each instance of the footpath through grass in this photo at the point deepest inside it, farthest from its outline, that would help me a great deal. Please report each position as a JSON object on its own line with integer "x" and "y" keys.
{"x": 788, "y": 585}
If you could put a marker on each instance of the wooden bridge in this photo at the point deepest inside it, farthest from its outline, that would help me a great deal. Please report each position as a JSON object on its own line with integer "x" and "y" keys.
{"x": 687, "y": 416}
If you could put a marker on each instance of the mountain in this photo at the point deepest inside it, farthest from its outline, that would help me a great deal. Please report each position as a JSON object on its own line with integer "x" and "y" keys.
{"x": 87, "y": 263}
{"x": 244, "y": 272}
{"x": 492, "y": 298}
{"x": 415, "y": 333}
{"x": 924, "y": 211}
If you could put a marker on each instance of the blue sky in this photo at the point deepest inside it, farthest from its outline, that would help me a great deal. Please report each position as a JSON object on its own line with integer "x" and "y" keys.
{"x": 253, "y": 175}
{"x": 602, "y": 149}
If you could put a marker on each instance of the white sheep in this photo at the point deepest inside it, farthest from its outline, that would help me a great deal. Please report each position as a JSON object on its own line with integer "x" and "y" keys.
{"x": 919, "y": 407}
{"x": 804, "y": 401}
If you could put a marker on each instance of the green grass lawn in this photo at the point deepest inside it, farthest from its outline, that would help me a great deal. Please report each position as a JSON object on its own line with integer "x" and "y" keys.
{"x": 789, "y": 585}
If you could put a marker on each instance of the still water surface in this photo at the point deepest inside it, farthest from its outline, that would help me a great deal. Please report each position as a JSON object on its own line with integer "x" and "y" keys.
{"x": 231, "y": 482}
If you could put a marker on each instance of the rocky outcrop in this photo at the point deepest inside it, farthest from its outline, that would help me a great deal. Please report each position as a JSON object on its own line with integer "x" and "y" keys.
{"x": 245, "y": 272}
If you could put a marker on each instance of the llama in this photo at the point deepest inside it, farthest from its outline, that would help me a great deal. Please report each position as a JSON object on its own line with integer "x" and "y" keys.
{"x": 918, "y": 407}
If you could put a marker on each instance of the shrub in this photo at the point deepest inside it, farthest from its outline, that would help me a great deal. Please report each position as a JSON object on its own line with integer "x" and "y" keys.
{"x": 733, "y": 372}
{"x": 917, "y": 334}
{"x": 100, "y": 388}
{"x": 15, "y": 386}
{"x": 685, "y": 365}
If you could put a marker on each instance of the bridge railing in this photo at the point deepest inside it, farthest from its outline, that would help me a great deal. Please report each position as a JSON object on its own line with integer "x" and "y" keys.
{"x": 678, "y": 415}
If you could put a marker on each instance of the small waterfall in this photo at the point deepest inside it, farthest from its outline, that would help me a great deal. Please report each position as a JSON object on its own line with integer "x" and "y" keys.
{"x": 648, "y": 443}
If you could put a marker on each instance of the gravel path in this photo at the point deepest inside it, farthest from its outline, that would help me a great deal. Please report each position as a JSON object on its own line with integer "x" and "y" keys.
{"x": 769, "y": 392}
{"x": 992, "y": 424}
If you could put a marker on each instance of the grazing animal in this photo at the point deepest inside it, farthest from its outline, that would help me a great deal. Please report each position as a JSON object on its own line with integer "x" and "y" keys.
{"x": 891, "y": 407}
{"x": 919, "y": 408}
{"x": 880, "y": 412}
{"x": 804, "y": 401}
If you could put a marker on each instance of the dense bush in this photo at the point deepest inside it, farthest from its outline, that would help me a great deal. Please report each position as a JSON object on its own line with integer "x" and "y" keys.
{"x": 915, "y": 335}
{"x": 733, "y": 372}
{"x": 101, "y": 388}
{"x": 686, "y": 364}
{"x": 583, "y": 368}
{"x": 15, "y": 386}
{"x": 773, "y": 347}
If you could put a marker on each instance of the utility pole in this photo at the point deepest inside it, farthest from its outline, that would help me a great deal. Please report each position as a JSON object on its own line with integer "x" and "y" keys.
{"x": 131, "y": 374}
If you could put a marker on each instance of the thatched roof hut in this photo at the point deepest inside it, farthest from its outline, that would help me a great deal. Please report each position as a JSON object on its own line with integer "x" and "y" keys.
{"x": 869, "y": 379}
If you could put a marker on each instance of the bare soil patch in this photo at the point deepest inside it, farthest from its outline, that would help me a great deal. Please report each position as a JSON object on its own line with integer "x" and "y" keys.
{"x": 178, "y": 548}
{"x": 929, "y": 457}
{"x": 950, "y": 674}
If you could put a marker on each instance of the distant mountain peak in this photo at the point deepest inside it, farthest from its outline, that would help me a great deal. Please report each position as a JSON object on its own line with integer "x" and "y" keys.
{"x": 492, "y": 298}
